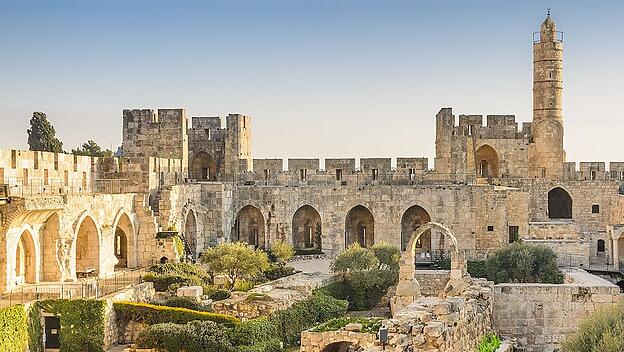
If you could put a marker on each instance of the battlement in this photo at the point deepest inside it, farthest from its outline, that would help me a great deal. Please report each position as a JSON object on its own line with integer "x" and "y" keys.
{"x": 207, "y": 122}
{"x": 594, "y": 170}
{"x": 497, "y": 126}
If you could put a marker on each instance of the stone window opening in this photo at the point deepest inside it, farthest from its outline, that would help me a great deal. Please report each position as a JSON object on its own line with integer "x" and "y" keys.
{"x": 514, "y": 234}
{"x": 601, "y": 246}
{"x": 338, "y": 174}
{"x": 622, "y": 175}
{"x": 487, "y": 161}
{"x": 25, "y": 180}
{"x": 2, "y": 175}
{"x": 490, "y": 228}
{"x": 412, "y": 174}
{"x": 595, "y": 208}
{"x": 592, "y": 175}
{"x": 559, "y": 204}
{"x": 75, "y": 163}
{"x": 375, "y": 174}
{"x": 303, "y": 174}
{"x": 36, "y": 160}
{"x": 56, "y": 162}
{"x": 13, "y": 159}
{"x": 267, "y": 174}
{"x": 46, "y": 180}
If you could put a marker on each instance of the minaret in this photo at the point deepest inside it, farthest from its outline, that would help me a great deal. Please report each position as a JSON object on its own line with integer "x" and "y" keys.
{"x": 546, "y": 154}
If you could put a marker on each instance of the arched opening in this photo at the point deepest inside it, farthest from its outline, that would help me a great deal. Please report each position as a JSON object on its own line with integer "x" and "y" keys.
{"x": 203, "y": 167}
{"x": 621, "y": 285}
{"x": 249, "y": 226}
{"x": 190, "y": 233}
{"x": 25, "y": 259}
{"x": 164, "y": 260}
{"x": 306, "y": 228}
{"x": 87, "y": 248}
{"x": 487, "y": 162}
{"x": 559, "y": 204}
{"x": 50, "y": 236}
{"x": 342, "y": 346}
{"x": 123, "y": 244}
{"x": 412, "y": 220}
{"x": 360, "y": 226}
{"x": 601, "y": 247}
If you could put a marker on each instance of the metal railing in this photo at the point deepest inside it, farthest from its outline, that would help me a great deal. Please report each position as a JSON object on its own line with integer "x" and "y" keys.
{"x": 91, "y": 288}
{"x": 32, "y": 187}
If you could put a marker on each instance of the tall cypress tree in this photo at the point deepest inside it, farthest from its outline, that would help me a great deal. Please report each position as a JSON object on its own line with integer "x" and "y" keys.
{"x": 42, "y": 136}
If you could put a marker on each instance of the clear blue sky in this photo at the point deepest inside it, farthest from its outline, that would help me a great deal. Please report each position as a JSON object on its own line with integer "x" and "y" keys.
{"x": 320, "y": 78}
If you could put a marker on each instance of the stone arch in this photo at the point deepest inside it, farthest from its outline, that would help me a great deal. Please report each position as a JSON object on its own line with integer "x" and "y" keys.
{"x": 50, "y": 255}
{"x": 87, "y": 245}
{"x": 25, "y": 269}
{"x": 559, "y": 204}
{"x": 487, "y": 163}
{"x": 340, "y": 346}
{"x": 124, "y": 244}
{"x": 413, "y": 218}
{"x": 203, "y": 167}
{"x": 601, "y": 247}
{"x": 360, "y": 226}
{"x": 249, "y": 226}
{"x": 190, "y": 232}
{"x": 307, "y": 228}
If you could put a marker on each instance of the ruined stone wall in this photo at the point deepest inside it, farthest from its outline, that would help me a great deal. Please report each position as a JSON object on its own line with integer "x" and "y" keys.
{"x": 478, "y": 215}
{"x": 541, "y": 316}
{"x": 432, "y": 282}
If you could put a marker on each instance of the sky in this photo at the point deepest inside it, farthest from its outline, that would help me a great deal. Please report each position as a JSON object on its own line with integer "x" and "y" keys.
{"x": 340, "y": 78}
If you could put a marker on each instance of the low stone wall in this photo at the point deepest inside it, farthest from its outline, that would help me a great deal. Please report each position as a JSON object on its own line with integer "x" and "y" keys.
{"x": 138, "y": 293}
{"x": 432, "y": 282}
{"x": 241, "y": 306}
{"x": 541, "y": 316}
{"x": 318, "y": 341}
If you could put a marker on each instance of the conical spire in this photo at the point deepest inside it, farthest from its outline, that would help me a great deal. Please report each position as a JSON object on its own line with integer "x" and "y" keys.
{"x": 548, "y": 29}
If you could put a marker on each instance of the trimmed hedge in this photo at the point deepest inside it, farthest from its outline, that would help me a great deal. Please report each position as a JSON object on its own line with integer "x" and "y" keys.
{"x": 197, "y": 336}
{"x": 154, "y": 314}
{"x": 13, "y": 329}
{"x": 82, "y": 323}
{"x": 369, "y": 325}
{"x": 185, "y": 302}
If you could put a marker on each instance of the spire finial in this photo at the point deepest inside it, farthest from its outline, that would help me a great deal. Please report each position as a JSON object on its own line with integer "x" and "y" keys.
{"x": 548, "y": 11}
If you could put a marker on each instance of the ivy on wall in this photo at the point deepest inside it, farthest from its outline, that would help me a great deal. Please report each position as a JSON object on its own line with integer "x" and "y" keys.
{"x": 13, "y": 329}
{"x": 35, "y": 330}
{"x": 82, "y": 323}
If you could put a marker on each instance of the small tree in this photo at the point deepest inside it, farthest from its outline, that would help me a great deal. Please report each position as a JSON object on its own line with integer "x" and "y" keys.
{"x": 235, "y": 260}
{"x": 388, "y": 255}
{"x": 42, "y": 136}
{"x": 354, "y": 258}
{"x": 92, "y": 149}
{"x": 282, "y": 252}
{"x": 524, "y": 263}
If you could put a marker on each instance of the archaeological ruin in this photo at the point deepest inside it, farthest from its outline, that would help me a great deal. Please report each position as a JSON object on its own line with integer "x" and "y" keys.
{"x": 66, "y": 217}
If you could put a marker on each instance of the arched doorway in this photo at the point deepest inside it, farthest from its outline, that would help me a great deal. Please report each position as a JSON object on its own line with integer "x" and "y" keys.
{"x": 123, "y": 245}
{"x": 87, "y": 248}
{"x": 412, "y": 219}
{"x": 360, "y": 226}
{"x": 50, "y": 236}
{"x": 306, "y": 228}
{"x": 559, "y": 204}
{"x": 203, "y": 167}
{"x": 25, "y": 259}
{"x": 249, "y": 226}
{"x": 190, "y": 232}
{"x": 343, "y": 346}
{"x": 487, "y": 162}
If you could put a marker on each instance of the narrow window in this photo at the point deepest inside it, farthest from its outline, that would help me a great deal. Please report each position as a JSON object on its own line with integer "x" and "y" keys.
{"x": 25, "y": 177}
{"x": 267, "y": 174}
{"x": 593, "y": 175}
{"x": 66, "y": 178}
{"x": 514, "y": 234}
{"x": 601, "y": 246}
{"x": 45, "y": 177}
{"x": 375, "y": 174}
{"x": 338, "y": 174}
{"x": 36, "y": 160}
{"x": 84, "y": 180}
{"x": 303, "y": 173}
{"x": 55, "y": 161}
{"x": 2, "y": 175}
{"x": 490, "y": 228}
{"x": 595, "y": 208}
{"x": 622, "y": 175}
{"x": 75, "y": 163}
{"x": 13, "y": 159}
{"x": 412, "y": 174}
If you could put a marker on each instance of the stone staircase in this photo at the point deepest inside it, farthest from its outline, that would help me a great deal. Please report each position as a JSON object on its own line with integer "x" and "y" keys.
{"x": 147, "y": 229}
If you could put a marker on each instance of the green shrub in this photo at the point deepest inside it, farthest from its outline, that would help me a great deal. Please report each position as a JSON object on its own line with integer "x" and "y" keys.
{"x": 369, "y": 325}
{"x": 603, "y": 331}
{"x": 308, "y": 251}
{"x": 82, "y": 323}
{"x": 154, "y": 314}
{"x": 253, "y": 331}
{"x": 186, "y": 302}
{"x": 282, "y": 252}
{"x": 388, "y": 255}
{"x": 270, "y": 345}
{"x": 524, "y": 263}
{"x": 277, "y": 272}
{"x": 219, "y": 295}
{"x": 171, "y": 276}
{"x": 178, "y": 269}
{"x": 254, "y": 297}
{"x": 243, "y": 286}
{"x": 354, "y": 258}
{"x": 35, "y": 331}
{"x": 13, "y": 329}
{"x": 489, "y": 343}
{"x": 196, "y": 336}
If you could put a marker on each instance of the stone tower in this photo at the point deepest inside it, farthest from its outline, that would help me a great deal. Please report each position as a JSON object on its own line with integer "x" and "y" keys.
{"x": 546, "y": 154}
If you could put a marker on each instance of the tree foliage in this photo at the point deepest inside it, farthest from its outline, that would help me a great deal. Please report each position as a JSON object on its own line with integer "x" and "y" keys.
{"x": 92, "y": 149}
{"x": 282, "y": 251}
{"x": 603, "y": 331}
{"x": 524, "y": 263}
{"x": 354, "y": 258}
{"x": 42, "y": 136}
{"x": 235, "y": 260}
